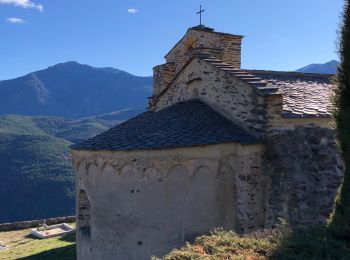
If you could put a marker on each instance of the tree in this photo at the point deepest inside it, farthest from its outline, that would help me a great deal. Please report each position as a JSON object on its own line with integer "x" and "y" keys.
{"x": 341, "y": 217}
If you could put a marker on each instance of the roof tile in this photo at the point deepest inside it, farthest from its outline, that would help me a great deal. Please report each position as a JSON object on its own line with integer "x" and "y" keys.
{"x": 304, "y": 94}
{"x": 184, "y": 124}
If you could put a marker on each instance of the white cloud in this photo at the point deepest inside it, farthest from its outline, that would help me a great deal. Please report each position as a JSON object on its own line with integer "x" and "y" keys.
{"x": 15, "y": 20}
{"x": 23, "y": 4}
{"x": 130, "y": 10}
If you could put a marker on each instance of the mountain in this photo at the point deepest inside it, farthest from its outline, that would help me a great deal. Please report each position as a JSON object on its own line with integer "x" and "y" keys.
{"x": 73, "y": 90}
{"x": 36, "y": 176}
{"x": 326, "y": 68}
{"x": 51, "y": 109}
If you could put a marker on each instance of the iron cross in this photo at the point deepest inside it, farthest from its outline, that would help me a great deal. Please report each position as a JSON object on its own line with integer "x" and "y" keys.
{"x": 200, "y": 14}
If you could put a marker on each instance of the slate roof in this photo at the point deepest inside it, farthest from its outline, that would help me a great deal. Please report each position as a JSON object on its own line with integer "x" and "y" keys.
{"x": 188, "y": 123}
{"x": 304, "y": 94}
{"x": 256, "y": 82}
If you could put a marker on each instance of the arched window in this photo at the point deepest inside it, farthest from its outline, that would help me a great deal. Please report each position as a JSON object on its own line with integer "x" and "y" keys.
{"x": 83, "y": 213}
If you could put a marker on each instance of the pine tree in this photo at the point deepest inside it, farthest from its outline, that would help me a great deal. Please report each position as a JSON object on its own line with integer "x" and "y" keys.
{"x": 341, "y": 217}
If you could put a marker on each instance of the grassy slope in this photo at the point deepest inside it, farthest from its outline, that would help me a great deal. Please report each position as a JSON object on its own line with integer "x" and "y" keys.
{"x": 23, "y": 246}
{"x": 36, "y": 178}
{"x": 282, "y": 243}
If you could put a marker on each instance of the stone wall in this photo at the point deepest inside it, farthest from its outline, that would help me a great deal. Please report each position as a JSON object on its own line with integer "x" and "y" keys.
{"x": 226, "y": 46}
{"x": 146, "y": 203}
{"x": 302, "y": 194}
{"x": 163, "y": 75}
{"x": 35, "y": 223}
{"x": 305, "y": 171}
{"x": 227, "y": 95}
{"x": 250, "y": 184}
{"x": 275, "y": 121}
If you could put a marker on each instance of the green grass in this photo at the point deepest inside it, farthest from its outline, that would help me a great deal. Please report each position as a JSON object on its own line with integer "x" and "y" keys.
{"x": 282, "y": 243}
{"x": 285, "y": 243}
{"x": 23, "y": 246}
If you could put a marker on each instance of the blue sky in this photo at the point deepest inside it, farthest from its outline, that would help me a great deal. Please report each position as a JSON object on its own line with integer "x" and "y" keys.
{"x": 134, "y": 35}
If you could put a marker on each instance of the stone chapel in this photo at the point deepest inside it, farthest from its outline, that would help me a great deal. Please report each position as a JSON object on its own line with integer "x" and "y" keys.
{"x": 219, "y": 147}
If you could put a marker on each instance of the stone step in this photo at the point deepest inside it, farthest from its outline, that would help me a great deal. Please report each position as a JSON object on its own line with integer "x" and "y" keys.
{"x": 212, "y": 60}
{"x": 241, "y": 72}
{"x": 251, "y": 79}
{"x": 229, "y": 69}
{"x": 240, "y": 75}
{"x": 243, "y": 75}
{"x": 223, "y": 64}
{"x": 258, "y": 84}
{"x": 224, "y": 67}
{"x": 269, "y": 89}
{"x": 220, "y": 65}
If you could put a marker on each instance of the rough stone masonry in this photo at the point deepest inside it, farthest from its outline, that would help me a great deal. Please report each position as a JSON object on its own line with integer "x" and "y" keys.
{"x": 219, "y": 146}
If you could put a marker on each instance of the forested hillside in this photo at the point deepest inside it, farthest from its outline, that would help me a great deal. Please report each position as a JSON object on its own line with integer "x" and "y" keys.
{"x": 36, "y": 177}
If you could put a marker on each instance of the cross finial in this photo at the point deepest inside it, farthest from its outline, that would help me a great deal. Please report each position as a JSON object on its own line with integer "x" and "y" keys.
{"x": 200, "y": 14}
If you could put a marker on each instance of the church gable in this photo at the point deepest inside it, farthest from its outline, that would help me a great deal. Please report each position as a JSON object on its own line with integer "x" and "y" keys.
{"x": 202, "y": 40}
{"x": 232, "y": 97}
{"x": 198, "y": 41}
{"x": 257, "y": 101}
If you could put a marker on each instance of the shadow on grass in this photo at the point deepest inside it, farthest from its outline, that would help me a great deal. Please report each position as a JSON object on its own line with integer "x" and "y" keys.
{"x": 320, "y": 242}
{"x": 66, "y": 238}
{"x": 69, "y": 238}
{"x": 62, "y": 253}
